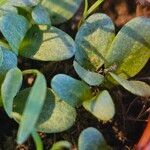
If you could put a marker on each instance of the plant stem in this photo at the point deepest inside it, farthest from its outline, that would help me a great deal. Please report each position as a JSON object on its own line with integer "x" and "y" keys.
{"x": 37, "y": 140}
{"x": 93, "y": 7}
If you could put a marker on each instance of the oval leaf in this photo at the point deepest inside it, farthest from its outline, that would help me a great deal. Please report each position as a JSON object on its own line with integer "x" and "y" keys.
{"x": 33, "y": 106}
{"x": 72, "y": 91}
{"x": 14, "y": 28}
{"x": 93, "y": 40}
{"x": 136, "y": 87}
{"x": 53, "y": 112}
{"x": 101, "y": 106}
{"x": 56, "y": 46}
{"x": 61, "y": 10}
{"x": 131, "y": 48}
{"x": 89, "y": 77}
{"x": 10, "y": 88}
{"x": 41, "y": 16}
{"x": 91, "y": 139}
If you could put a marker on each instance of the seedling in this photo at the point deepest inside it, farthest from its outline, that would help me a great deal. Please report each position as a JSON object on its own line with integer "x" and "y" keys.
{"x": 102, "y": 60}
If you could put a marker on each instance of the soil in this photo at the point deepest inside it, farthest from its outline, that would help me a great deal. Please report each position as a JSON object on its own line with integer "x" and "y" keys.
{"x": 124, "y": 131}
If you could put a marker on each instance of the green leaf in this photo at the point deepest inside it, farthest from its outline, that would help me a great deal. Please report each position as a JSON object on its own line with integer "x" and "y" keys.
{"x": 101, "y": 106}
{"x": 7, "y": 9}
{"x": 31, "y": 42}
{"x": 91, "y": 139}
{"x": 24, "y": 3}
{"x": 72, "y": 91}
{"x": 2, "y": 2}
{"x": 136, "y": 87}
{"x": 61, "y": 10}
{"x": 56, "y": 46}
{"x": 130, "y": 49}
{"x": 14, "y": 28}
{"x": 61, "y": 145}
{"x": 93, "y": 41}
{"x": 41, "y": 16}
{"x": 33, "y": 106}
{"x": 89, "y": 77}
{"x": 10, "y": 88}
{"x": 53, "y": 112}
{"x": 9, "y": 61}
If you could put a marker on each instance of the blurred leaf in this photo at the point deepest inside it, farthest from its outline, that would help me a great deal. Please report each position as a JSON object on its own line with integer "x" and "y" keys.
{"x": 31, "y": 42}
{"x": 56, "y": 46}
{"x": 53, "y": 112}
{"x": 24, "y": 3}
{"x": 61, "y": 10}
{"x": 72, "y": 91}
{"x": 92, "y": 139}
{"x": 93, "y": 41}
{"x": 10, "y": 88}
{"x": 61, "y": 145}
{"x": 101, "y": 106}
{"x": 135, "y": 87}
{"x": 41, "y": 16}
{"x": 7, "y": 8}
{"x": 33, "y": 106}
{"x": 130, "y": 49}
{"x": 89, "y": 77}
{"x": 9, "y": 61}
{"x": 14, "y": 28}
{"x": 2, "y": 2}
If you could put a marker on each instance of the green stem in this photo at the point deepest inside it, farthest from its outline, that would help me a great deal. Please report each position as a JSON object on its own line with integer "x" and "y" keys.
{"x": 94, "y": 6}
{"x": 37, "y": 140}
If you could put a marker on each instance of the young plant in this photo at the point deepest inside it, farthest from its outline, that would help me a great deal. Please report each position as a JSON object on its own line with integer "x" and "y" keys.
{"x": 27, "y": 30}
{"x": 101, "y": 60}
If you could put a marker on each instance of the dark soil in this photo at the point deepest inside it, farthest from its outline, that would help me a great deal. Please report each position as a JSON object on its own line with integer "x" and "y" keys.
{"x": 124, "y": 131}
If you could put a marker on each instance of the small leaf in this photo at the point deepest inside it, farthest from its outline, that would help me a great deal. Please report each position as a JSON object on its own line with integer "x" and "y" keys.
{"x": 72, "y": 91}
{"x": 24, "y": 3}
{"x": 10, "y": 88}
{"x": 101, "y": 106}
{"x": 93, "y": 41}
{"x": 31, "y": 42}
{"x": 33, "y": 106}
{"x": 89, "y": 77}
{"x": 91, "y": 139}
{"x": 41, "y": 16}
{"x": 53, "y": 112}
{"x": 61, "y": 145}
{"x": 9, "y": 61}
{"x": 61, "y": 10}
{"x": 130, "y": 49}
{"x": 136, "y": 87}
{"x": 56, "y": 46}
{"x": 14, "y": 28}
